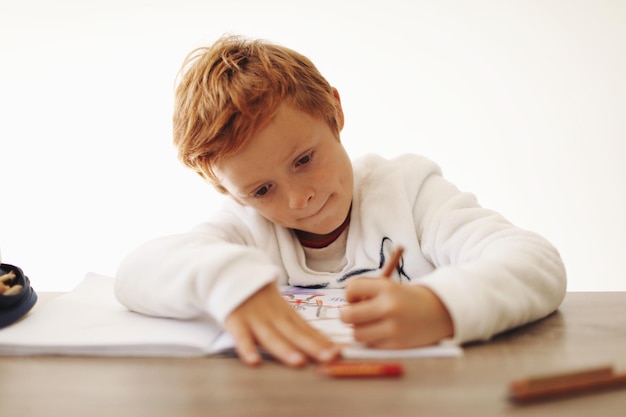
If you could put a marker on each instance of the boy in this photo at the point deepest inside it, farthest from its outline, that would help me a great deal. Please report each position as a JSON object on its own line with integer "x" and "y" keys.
{"x": 262, "y": 125}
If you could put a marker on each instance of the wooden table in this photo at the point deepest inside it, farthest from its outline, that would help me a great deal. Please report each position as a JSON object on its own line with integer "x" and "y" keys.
{"x": 588, "y": 329}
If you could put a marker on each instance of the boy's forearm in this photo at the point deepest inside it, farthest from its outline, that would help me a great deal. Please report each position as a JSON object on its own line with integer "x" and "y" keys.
{"x": 190, "y": 275}
{"x": 523, "y": 282}
{"x": 490, "y": 274}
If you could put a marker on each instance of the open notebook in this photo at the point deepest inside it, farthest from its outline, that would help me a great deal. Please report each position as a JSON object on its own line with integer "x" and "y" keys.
{"x": 90, "y": 321}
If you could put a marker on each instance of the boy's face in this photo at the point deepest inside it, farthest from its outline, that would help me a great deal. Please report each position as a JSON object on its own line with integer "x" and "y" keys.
{"x": 294, "y": 172}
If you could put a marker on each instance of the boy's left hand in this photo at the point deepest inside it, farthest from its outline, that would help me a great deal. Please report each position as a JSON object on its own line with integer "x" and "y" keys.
{"x": 388, "y": 315}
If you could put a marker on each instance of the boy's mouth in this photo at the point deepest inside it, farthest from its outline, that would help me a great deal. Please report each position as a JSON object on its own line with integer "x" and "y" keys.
{"x": 315, "y": 213}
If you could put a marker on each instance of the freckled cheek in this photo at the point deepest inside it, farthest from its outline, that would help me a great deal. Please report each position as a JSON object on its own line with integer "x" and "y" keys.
{"x": 278, "y": 214}
{"x": 346, "y": 180}
{"x": 327, "y": 179}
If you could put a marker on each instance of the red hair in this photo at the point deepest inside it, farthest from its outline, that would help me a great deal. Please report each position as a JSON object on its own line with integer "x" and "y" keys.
{"x": 229, "y": 91}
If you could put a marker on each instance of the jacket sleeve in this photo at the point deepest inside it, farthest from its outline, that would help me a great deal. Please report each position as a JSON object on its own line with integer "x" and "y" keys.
{"x": 190, "y": 275}
{"x": 490, "y": 274}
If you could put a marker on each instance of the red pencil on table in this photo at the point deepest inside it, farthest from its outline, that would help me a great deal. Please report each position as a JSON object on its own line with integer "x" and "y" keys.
{"x": 361, "y": 370}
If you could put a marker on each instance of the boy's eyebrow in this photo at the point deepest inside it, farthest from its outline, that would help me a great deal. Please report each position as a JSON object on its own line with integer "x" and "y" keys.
{"x": 296, "y": 150}
{"x": 245, "y": 190}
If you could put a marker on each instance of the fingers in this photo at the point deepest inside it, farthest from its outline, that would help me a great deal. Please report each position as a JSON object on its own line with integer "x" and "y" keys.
{"x": 364, "y": 288}
{"x": 266, "y": 321}
{"x": 279, "y": 347}
{"x": 369, "y": 300}
{"x": 378, "y": 334}
{"x": 370, "y": 311}
{"x": 291, "y": 340}
{"x": 309, "y": 340}
{"x": 245, "y": 345}
{"x": 388, "y": 315}
{"x": 252, "y": 335}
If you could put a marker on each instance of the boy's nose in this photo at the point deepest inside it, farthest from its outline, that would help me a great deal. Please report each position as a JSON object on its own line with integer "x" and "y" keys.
{"x": 299, "y": 196}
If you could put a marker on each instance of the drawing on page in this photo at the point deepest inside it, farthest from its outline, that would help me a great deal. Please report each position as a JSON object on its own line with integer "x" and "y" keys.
{"x": 314, "y": 304}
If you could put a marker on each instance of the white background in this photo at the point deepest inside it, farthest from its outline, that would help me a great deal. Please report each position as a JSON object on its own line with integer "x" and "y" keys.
{"x": 521, "y": 102}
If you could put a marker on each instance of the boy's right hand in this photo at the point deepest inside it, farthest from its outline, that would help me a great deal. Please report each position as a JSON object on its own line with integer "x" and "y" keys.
{"x": 266, "y": 320}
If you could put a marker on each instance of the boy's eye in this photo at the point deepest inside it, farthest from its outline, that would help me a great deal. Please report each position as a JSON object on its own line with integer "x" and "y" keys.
{"x": 304, "y": 160}
{"x": 262, "y": 191}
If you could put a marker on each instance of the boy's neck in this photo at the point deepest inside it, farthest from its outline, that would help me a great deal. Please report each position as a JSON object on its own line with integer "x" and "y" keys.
{"x": 312, "y": 240}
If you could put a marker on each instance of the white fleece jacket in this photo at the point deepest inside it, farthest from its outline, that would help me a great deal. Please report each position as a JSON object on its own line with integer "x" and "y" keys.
{"x": 491, "y": 275}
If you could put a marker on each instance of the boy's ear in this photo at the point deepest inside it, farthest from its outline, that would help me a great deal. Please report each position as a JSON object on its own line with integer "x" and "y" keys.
{"x": 339, "y": 109}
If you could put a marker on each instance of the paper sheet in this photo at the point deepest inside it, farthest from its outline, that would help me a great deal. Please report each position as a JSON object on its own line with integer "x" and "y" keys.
{"x": 90, "y": 321}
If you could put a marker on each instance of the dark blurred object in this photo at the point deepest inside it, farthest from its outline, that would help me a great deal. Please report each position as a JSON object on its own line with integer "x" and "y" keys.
{"x": 17, "y": 297}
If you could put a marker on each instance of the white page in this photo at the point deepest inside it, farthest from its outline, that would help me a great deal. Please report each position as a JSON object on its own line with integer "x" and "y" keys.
{"x": 90, "y": 321}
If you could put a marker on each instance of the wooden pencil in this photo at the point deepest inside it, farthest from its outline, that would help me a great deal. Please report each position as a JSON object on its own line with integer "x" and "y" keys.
{"x": 569, "y": 383}
{"x": 393, "y": 262}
